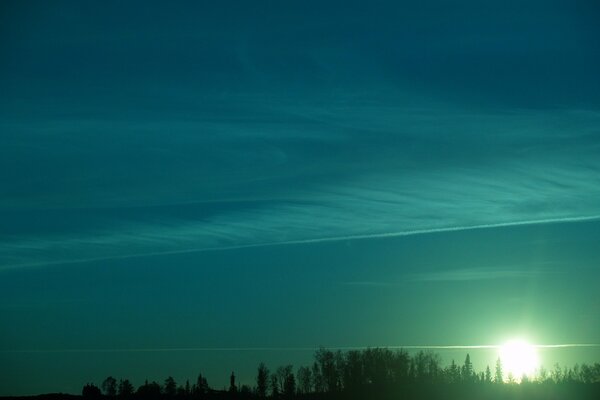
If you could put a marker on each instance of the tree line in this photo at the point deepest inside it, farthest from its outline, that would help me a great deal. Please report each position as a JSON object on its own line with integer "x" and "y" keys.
{"x": 370, "y": 373}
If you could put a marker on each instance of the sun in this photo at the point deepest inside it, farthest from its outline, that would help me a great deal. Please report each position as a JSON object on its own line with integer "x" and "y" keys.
{"x": 518, "y": 358}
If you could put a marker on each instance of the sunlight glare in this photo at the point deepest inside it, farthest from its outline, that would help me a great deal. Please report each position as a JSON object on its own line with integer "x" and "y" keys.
{"x": 518, "y": 358}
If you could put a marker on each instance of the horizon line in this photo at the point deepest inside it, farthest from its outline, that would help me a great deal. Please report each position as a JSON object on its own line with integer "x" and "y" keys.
{"x": 298, "y": 348}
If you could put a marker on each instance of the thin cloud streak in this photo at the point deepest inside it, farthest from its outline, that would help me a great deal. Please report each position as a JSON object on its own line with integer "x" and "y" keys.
{"x": 368, "y": 283}
{"x": 475, "y": 274}
{"x": 316, "y": 240}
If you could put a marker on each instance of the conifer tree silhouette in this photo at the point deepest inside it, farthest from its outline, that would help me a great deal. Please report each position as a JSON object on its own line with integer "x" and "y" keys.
{"x": 262, "y": 381}
{"x": 498, "y": 376}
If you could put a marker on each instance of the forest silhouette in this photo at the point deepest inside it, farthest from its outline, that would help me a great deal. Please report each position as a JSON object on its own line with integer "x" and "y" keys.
{"x": 374, "y": 373}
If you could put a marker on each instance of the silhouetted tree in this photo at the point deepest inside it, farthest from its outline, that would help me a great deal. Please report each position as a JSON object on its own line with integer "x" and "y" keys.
{"x": 232, "y": 386}
{"x": 149, "y": 391}
{"x": 274, "y": 386}
{"x": 498, "y": 376}
{"x": 543, "y": 375}
{"x": 453, "y": 372}
{"x": 400, "y": 366}
{"x": 317, "y": 378}
{"x": 283, "y": 373}
{"x": 510, "y": 378}
{"x": 375, "y": 374}
{"x": 125, "y": 389}
{"x": 289, "y": 385}
{"x": 304, "y": 380}
{"x": 557, "y": 374}
{"x": 586, "y": 374}
{"x": 595, "y": 373}
{"x": 327, "y": 369}
{"x": 434, "y": 366}
{"x": 245, "y": 392}
{"x": 353, "y": 373}
{"x": 467, "y": 370}
{"x": 170, "y": 387}
{"x": 375, "y": 364}
{"x": 262, "y": 381}
{"x": 91, "y": 391}
{"x": 480, "y": 377}
{"x": 109, "y": 386}
{"x": 201, "y": 387}
{"x": 419, "y": 366}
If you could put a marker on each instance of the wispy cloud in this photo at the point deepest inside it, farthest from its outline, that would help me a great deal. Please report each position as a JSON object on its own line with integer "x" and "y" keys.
{"x": 119, "y": 241}
{"x": 459, "y": 275}
{"x": 368, "y": 283}
{"x": 359, "y": 172}
{"x": 476, "y": 274}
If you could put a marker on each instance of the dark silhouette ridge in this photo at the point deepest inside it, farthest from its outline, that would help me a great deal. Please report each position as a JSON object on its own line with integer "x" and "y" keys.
{"x": 375, "y": 373}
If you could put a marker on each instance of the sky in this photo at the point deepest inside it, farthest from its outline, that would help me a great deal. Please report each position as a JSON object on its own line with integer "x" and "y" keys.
{"x": 195, "y": 187}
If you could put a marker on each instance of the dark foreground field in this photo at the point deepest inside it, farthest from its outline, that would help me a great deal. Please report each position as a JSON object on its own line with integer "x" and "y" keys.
{"x": 529, "y": 391}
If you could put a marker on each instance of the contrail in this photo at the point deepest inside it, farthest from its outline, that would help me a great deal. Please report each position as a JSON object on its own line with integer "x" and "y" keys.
{"x": 315, "y": 240}
{"x": 304, "y": 348}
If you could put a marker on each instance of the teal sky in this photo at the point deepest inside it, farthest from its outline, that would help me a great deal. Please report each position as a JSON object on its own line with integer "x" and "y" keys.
{"x": 239, "y": 182}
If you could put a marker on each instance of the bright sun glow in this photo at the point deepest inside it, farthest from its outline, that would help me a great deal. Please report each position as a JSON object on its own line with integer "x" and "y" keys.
{"x": 518, "y": 358}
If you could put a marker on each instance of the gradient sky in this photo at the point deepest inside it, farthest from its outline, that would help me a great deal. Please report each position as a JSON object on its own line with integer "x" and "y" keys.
{"x": 225, "y": 181}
